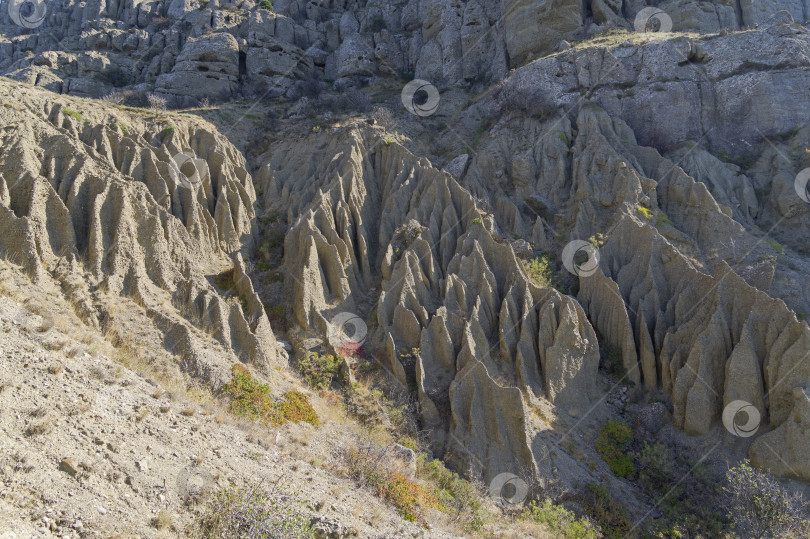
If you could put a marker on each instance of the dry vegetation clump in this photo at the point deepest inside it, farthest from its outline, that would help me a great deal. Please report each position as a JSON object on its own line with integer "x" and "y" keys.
{"x": 254, "y": 511}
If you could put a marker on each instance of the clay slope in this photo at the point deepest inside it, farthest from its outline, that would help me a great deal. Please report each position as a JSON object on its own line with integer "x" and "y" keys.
{"x": 689, "y": 285}
{"x": 456, "y": 317}
{"x": 685, "y": 287}
{"x": 94, "y": 198}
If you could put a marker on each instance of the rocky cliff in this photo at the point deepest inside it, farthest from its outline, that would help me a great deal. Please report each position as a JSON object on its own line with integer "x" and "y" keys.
{"x": 189, "y": 50}
{"x": 672, "y": 160}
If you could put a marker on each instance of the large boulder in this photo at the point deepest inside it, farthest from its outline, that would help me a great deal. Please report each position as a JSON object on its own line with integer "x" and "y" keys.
{"x": 207, "y": 67}
{"x": 531, "y": 28}
{"x": 277, "y": 65}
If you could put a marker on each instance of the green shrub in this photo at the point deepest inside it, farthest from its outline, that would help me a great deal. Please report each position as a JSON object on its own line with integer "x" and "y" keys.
{"x": 761, "y": 507}
{"x": 560, "y": 521}
{"x": 776, "y": 245}
{"x": 457, "y": 495}
{"x": 610, "y": 357}
{"x": 477, "y": 221}
{"x": 266, "y": 4}
{"x": 687, "y": 494}
{"x": 252, "y": 511}
{"x": 662, "y": 219}
{"x": 296, "y": 408}
{"x": 656, "y": 467}
{"x": 277, "y": 315}
{"x": 377, "y": 24}
{"x": 72, "y": 113}
{"x": 167, "y": 132}
{"x": 410, "y": 442}
{"x": 541, "y": 270}
{"x": 597, "y": 240}
{"x": 611, "y": 444}
{"x": 319, "y": 371}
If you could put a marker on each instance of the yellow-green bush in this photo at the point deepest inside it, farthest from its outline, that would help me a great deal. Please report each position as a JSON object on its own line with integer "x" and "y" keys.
{"x": 457, "y": 495}
{"x": 251, "y": 399}
{"x": 405, "y": 495}
{"x": 72, "y": 113}
{"x": 320, "y": 370}
{"x": 560, "y": 521}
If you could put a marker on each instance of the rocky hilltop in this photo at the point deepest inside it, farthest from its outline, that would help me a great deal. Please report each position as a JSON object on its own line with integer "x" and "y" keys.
{"x": 191, "y": 50}
{"x": 597, "y": 218}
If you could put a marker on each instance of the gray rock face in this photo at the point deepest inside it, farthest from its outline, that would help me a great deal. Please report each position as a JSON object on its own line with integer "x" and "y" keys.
{"x": 207, "y": 67}
{"x": 681, "y": 88}
{"x": 531, "y": 28}
{"x": 440, "y": 41}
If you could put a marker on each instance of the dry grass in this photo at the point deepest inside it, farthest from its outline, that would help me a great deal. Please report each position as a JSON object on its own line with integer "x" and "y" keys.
{"x": 56, "y": 368}
{"x": 37, "y": 428}
{"x": 40, "y": 411}
{"x": 163, "y": 520}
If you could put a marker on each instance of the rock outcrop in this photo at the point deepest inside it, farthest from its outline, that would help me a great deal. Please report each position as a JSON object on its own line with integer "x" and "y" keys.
{"x": 208, "y": 66}
{"x": 688, "y": 286}
{"x": 99, "y": 202}
{"x": 91, "y": 49}
{"x": 457, "y": 320}
{"x": 670, "y": 154}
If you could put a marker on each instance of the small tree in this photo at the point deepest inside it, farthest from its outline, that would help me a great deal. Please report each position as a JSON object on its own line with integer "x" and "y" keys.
{"x": 156, "y": 103}
{"x": 116, "y": 97}
{"x": 760, "y": 507}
